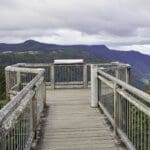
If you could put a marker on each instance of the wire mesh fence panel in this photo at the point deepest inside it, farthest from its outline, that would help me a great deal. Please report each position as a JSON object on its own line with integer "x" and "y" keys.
{"x": 122, "y": 75}
{"x": 68, "y": 73}
{"x": 47, "y": 73}
{"x": 127, "y": 108}
{"x": 12, "y": 79}
{"x": 107, "y": 98}
{"x": 25, "y": 78}
{"x": 119, "y": 72}
{"x": 111, "y": 71}
{"x": 134, "y": 123}
{"x": 88, "y": 73}
{"x": 18, "y": 136}
{"x": 20, "y": 118}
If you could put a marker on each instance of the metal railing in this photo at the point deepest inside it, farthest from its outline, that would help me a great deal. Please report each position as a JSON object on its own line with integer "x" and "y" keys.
{"x": 68, "y": 75}
{"x": 64, "y": 75}
{"x": 127, "y": 108}
{"x": 20, "y": 118}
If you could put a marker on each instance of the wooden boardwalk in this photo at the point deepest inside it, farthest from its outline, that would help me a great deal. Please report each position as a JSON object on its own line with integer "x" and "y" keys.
{"x": 72, "y": 124}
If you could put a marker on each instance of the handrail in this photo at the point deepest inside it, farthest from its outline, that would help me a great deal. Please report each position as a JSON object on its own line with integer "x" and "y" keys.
{"x": 26, "y": 70}
{"x": 16, "y": 100}
{"x": 63, "y": 75}
{"x": 69, "y": 75}
{"x": 142, "y": 107}
{"x": 20, "y": 116}
{"x": 126, "y": 86}
{"x": 126, "y": 107}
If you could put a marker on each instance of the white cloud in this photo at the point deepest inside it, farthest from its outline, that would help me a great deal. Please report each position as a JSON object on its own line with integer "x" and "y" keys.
{"x": 117, "y": 23}
{"x": 141, "y": 48}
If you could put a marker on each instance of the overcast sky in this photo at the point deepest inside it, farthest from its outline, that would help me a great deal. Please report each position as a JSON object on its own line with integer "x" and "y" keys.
{"x": 119, "y": 24}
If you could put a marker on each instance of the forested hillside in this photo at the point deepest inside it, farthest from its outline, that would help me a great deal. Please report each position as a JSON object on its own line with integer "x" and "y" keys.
{"x": 36, "y": 52}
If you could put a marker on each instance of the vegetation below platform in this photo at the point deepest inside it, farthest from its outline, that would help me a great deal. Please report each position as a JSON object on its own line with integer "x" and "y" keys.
{"x": 2, "y": 87}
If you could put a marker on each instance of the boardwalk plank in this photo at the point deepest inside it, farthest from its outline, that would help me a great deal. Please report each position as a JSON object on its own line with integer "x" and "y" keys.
{"x": 73, "y": 125}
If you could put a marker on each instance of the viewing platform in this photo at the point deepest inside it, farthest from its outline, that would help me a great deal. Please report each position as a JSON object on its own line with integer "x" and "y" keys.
{"x": 73, "y": 106}
{"x": 71, "y": 123}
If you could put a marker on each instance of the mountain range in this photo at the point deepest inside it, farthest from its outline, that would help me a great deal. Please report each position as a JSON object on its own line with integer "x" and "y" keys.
{"x": 90, "y": 53}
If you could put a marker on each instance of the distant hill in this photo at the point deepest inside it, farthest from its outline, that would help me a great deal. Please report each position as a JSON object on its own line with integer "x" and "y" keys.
{"x": 91, "y": 53}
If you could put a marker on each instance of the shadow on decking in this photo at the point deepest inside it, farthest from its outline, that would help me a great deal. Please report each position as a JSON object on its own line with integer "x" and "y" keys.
{"x": 41, "y": 131}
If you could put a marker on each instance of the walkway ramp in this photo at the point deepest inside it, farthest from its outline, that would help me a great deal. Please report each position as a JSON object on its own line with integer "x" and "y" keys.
{"x": 73, "y": 125}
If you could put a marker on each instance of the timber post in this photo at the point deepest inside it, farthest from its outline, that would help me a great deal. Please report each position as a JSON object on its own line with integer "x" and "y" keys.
{"x": 52, "y": 76}
{"x": 85, "y": 82}
{"x": 94, "y": 86}
{"x": 128, "y": 74}
{"x": 18, "y": 79}
{"x": 7, "y": 82}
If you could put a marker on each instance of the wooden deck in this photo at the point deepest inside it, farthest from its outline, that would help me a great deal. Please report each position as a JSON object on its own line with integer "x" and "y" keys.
{"x": 72, "y": 124}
